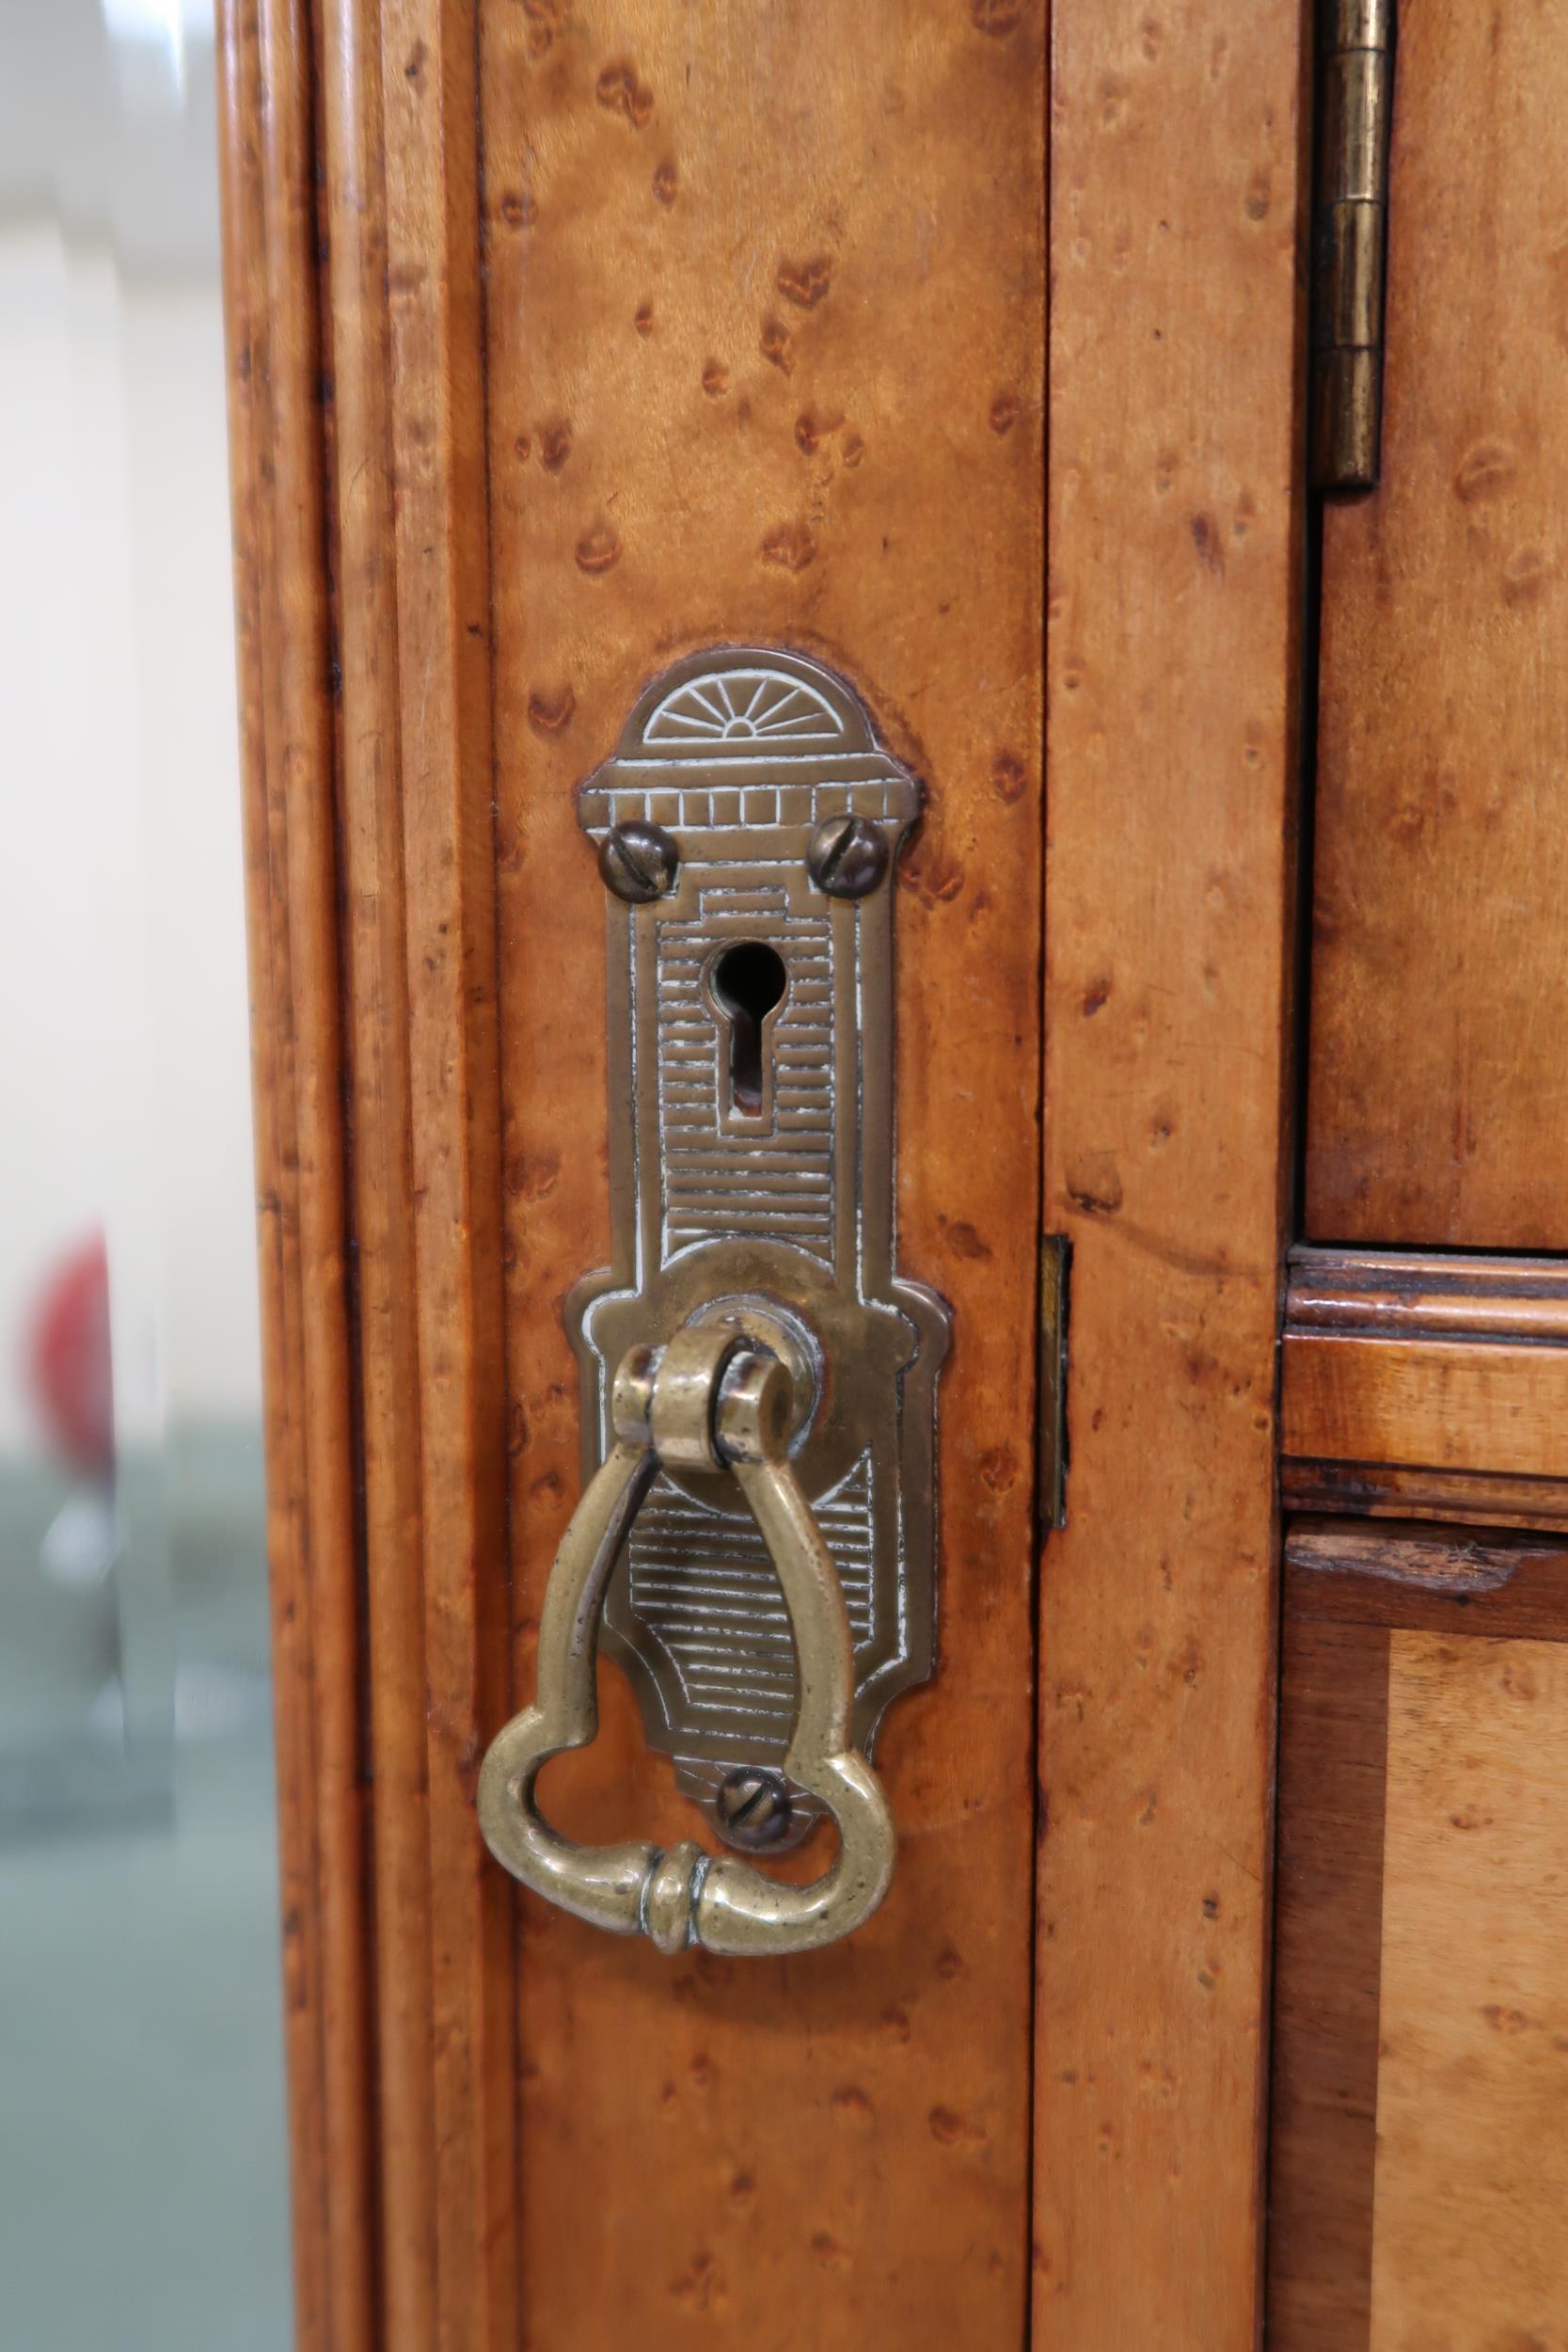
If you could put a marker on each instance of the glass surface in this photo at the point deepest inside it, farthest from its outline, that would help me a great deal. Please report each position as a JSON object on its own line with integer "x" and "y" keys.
{"x": 143, "y": 2189}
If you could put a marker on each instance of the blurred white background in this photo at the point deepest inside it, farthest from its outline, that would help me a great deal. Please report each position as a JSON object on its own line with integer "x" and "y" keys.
{"x": 142, "y": 2187}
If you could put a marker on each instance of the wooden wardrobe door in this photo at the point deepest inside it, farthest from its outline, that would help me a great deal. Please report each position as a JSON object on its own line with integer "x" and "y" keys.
{"x": 1419, "y": 2151}
{"x": 567, "y": 341}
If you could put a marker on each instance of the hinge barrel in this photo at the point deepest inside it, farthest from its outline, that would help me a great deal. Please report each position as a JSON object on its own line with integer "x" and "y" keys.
{"x": 1355, "y": 70}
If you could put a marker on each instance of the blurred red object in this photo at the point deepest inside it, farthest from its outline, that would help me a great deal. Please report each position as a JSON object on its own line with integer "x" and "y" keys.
{"x": 69, "y": 1362}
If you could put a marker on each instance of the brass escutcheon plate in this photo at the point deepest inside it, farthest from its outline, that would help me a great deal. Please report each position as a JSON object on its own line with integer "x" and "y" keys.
{"x": 751, "y": 1137}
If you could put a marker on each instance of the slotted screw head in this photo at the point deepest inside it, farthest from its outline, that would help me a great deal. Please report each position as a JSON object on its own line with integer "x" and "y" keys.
{"x": 848, "y": 856}
{"x": 753, "y": 1807}
{"x": 639, "y": 862}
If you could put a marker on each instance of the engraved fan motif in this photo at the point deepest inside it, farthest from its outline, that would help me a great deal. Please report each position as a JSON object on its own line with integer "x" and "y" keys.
{"x": 742, "y": 708}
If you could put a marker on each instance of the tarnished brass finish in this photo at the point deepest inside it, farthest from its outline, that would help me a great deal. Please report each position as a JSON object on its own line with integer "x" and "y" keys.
{"x": 751, "y": 1069}
{"x": 1350, "y": 232}
{"x": 705, "y": 1403}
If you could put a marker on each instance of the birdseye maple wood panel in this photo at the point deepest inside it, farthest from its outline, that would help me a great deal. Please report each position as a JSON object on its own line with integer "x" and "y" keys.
{"x": 765, "y": 302}
{"x": 1438, "y": 1097}
{"x": 1175, "y": 521}
{"x": 1418, "y": 2150}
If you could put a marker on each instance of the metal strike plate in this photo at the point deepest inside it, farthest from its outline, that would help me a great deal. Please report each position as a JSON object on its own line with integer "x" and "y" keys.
{"x": 750, "y": 1055}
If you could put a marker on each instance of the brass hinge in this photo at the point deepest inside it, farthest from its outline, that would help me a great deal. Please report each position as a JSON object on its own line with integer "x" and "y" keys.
{"x": 1355, "y": 85}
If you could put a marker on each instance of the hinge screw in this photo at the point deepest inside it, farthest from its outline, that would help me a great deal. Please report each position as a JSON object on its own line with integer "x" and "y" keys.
{"x": 848, "y": 856}
{"x": 753, "y": 1808}
{"x": 639, "y": 862}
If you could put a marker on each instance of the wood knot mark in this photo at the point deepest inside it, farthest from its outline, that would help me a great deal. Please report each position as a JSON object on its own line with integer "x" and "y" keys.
{"x": 518, "y": 208}
{"x": 551, "y": 712}
{"x": 1004, "y": 412}
{"x": 955, "y": 2131}
{"x": 716, "y": 378}
{"x": 805, "y": 284}
{"x": 775, "y": 345}
{"x": 935, "y": 879}
{"x": 534, "y": 1178}
{"x": 1485, "y": 468}
{"x": 1525, "y": 575}
{"x": 811, "y": 430}
{"x": 997, "y": 18}
{"x": 1094, "y": 1185}
{"x": 700, "y": 2283}
{"x": 555, "y": 443}
{"x": 642, "y": 319}
{"x": 664, "y": 183}
{"x": 999, "y": 1470}
{"x": 1010, "y": 778}
{"x": 598, "y": 550}
{"x": 619, "y": 92}
{"x": 790, "y": 545}
{"x": 543, "y": 18}
{"x": 1205, "y": 539}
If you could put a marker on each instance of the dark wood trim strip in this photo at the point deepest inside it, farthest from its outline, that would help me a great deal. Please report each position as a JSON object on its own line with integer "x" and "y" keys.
{"x": 1427, "y": 1579}
{"x": 1401, "y": 1490}
{"x": 1429, "y": 1559}
{"x": 1401, "y": 1293}
{"x": 1328, "y": 1923}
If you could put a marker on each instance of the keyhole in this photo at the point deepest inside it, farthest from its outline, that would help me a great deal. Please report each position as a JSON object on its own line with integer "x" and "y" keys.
{"x": 749, "y": 982}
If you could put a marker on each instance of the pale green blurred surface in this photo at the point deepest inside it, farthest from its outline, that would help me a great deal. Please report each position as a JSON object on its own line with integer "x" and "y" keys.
{"x": 143, "y": 2195}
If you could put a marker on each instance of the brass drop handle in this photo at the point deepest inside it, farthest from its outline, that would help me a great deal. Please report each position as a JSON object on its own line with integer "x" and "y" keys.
{"x": 705, "y": 1401}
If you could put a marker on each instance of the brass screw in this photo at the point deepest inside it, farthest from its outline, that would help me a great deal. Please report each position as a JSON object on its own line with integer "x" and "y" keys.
{"x": 848, "y": 857}
{"x": 753, "y": 1807}
{"x": 639, "y": 862}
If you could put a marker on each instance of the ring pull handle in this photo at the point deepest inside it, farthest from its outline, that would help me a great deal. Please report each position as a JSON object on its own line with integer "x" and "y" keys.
{"x": 705, "y": 1403}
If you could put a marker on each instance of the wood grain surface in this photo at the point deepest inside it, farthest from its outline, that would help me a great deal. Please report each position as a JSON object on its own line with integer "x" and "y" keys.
{"x": 1438, "y": 1104}
{"x": 411, "y": 562}
{"x": 1174, "y": 532}
{"x": 1468, "y": 2245}
{"x": 1429, "y": 1579}
{"x": 1453, "y": 1405}
{"x": 1328, "y": 1927}
{"x": 351, "y": 267}
{"x": 278, "y": 464}
{"x": 1419, "y": 2149}
{"x": 764, "y": 336}
{"x": 1377, "y": 1490}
